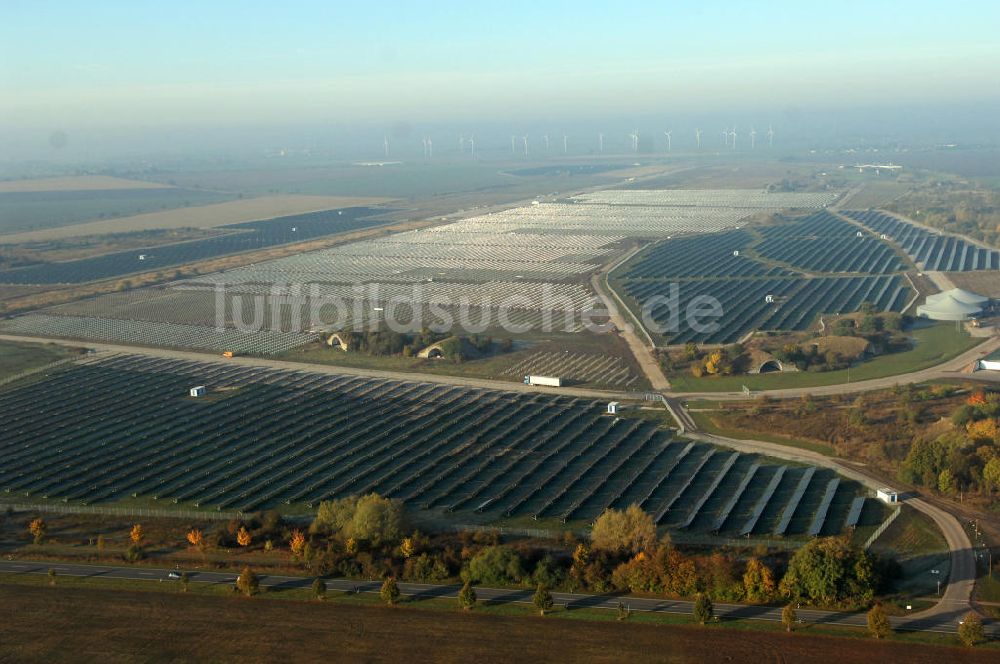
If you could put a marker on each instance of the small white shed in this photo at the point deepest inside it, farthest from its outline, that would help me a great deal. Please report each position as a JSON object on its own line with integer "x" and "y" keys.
{"x": 887, "y": 495}
{"x": 613, "y": 408}
{"x": 198, "y": 391}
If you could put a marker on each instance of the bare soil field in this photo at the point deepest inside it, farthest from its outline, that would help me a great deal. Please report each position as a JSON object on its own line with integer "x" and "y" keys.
{"x": 78, "y": 183}
{"x": 876, "y": 193}
{"x": 204, "y": 216}
{"x": 71, "y": 624}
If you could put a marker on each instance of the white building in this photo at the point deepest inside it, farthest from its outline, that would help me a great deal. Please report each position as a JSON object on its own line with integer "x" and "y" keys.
{"x": 198, "y": 391}
{"x": 887, "y": 495}
{"x": 613, "y": 408}
{"x": 954, "y": 304}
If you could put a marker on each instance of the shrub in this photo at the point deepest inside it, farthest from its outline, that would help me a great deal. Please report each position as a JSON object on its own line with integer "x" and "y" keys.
{"x": 970, "y": 630}
{"x": 542, "y": 600}
{"x": 789, "y": 617}
{"x": 495, "y": 565}
{"x": 390, "y": 591}
{"x": 248, "y": 583}
{"x": 319, "y": 588}
{"x": 703, "y": 608}
{"x": 467, "y": 596}
{"x": 878, "y": 622}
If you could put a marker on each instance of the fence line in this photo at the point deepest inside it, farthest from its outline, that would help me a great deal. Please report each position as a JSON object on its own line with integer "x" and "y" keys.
{"x": 36, "y": 370}
{"x": 123, "y": 511}
{"x": 882, "y": 528}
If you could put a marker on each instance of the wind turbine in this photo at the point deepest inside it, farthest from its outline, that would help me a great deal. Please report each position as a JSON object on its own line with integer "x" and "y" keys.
{"x": 430, "y": 148}
{"x": 732, "y": 134}
{"x": 424, "y": 141}
{"x": 525, "y": 139}
{"x": 770, "y": 136}
{"x": 725, "y": 136}
{"x": 546, "y": 139}
{"x": 697, "y": 137}
{"x": 385, "y": 144}
{"x": 635, "y": 140}
{"x": 753, "y": 138}
{"x": 600, "y": 143}
{"x": 669, "y": 144}
{"x": 472, "y": 146}
{"x": 565, "y": 143}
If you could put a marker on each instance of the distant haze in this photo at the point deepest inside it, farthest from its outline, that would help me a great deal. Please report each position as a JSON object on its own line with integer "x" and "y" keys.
{"x": 123, "y": 77}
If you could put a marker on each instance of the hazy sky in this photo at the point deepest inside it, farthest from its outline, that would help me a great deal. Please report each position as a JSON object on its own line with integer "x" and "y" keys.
{"x": 125, "y": 63}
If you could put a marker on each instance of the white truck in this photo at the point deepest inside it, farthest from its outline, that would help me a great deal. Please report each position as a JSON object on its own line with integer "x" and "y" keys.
{"x": 548, "y": 381}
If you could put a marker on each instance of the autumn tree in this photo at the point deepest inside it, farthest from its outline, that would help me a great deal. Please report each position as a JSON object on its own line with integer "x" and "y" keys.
{"x": 38, "y": 528}
{"x": 390, "y": 591}
{"x": 542, "y": 599}
{"x": 878, "y": 622}
{"x": 136, "y": 535}
{"x": 703, "y": 608}
{"x": 351, "y": 546}
{"x": 830, "y": 570}
{"x": 195, "y": 538}
{"x": 297, "y": 543}
{"x": 624, "y": 532}
{"x": 991, "y": 473}
{"x": 758, "y": 581}
{"x": 970, "y": 630}
{"x": 243, "y": 537}
{"x": 319, "y": 588}
{"x": 789, "y": 617}
{"x": 248, "y": 583}
{"x": 467, "y": 596}
{"x": 407, "y": 547}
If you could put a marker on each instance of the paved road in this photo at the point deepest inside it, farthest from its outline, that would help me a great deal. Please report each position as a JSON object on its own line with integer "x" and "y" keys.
{"x": 950, "y": 369}
{"x": 494, "y": 595}
{"x": 953, "y": 368}
{"x": 216, "y": 358}
{"x": 640, "y": 351}
{"x": 955, "y": 601}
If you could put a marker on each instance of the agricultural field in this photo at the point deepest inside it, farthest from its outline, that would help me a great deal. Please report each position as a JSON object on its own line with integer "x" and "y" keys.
{"x": 16, "y": 357}
{"x": 247, "y": 236}
{"x": 930, "y": 250}
{"x": 22, "y": 211}
{"x": 69, "y": 624}
{"x": 201, "y": 216}
{"x": 77, "y": 183}
{"x": 264, "y": 437}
